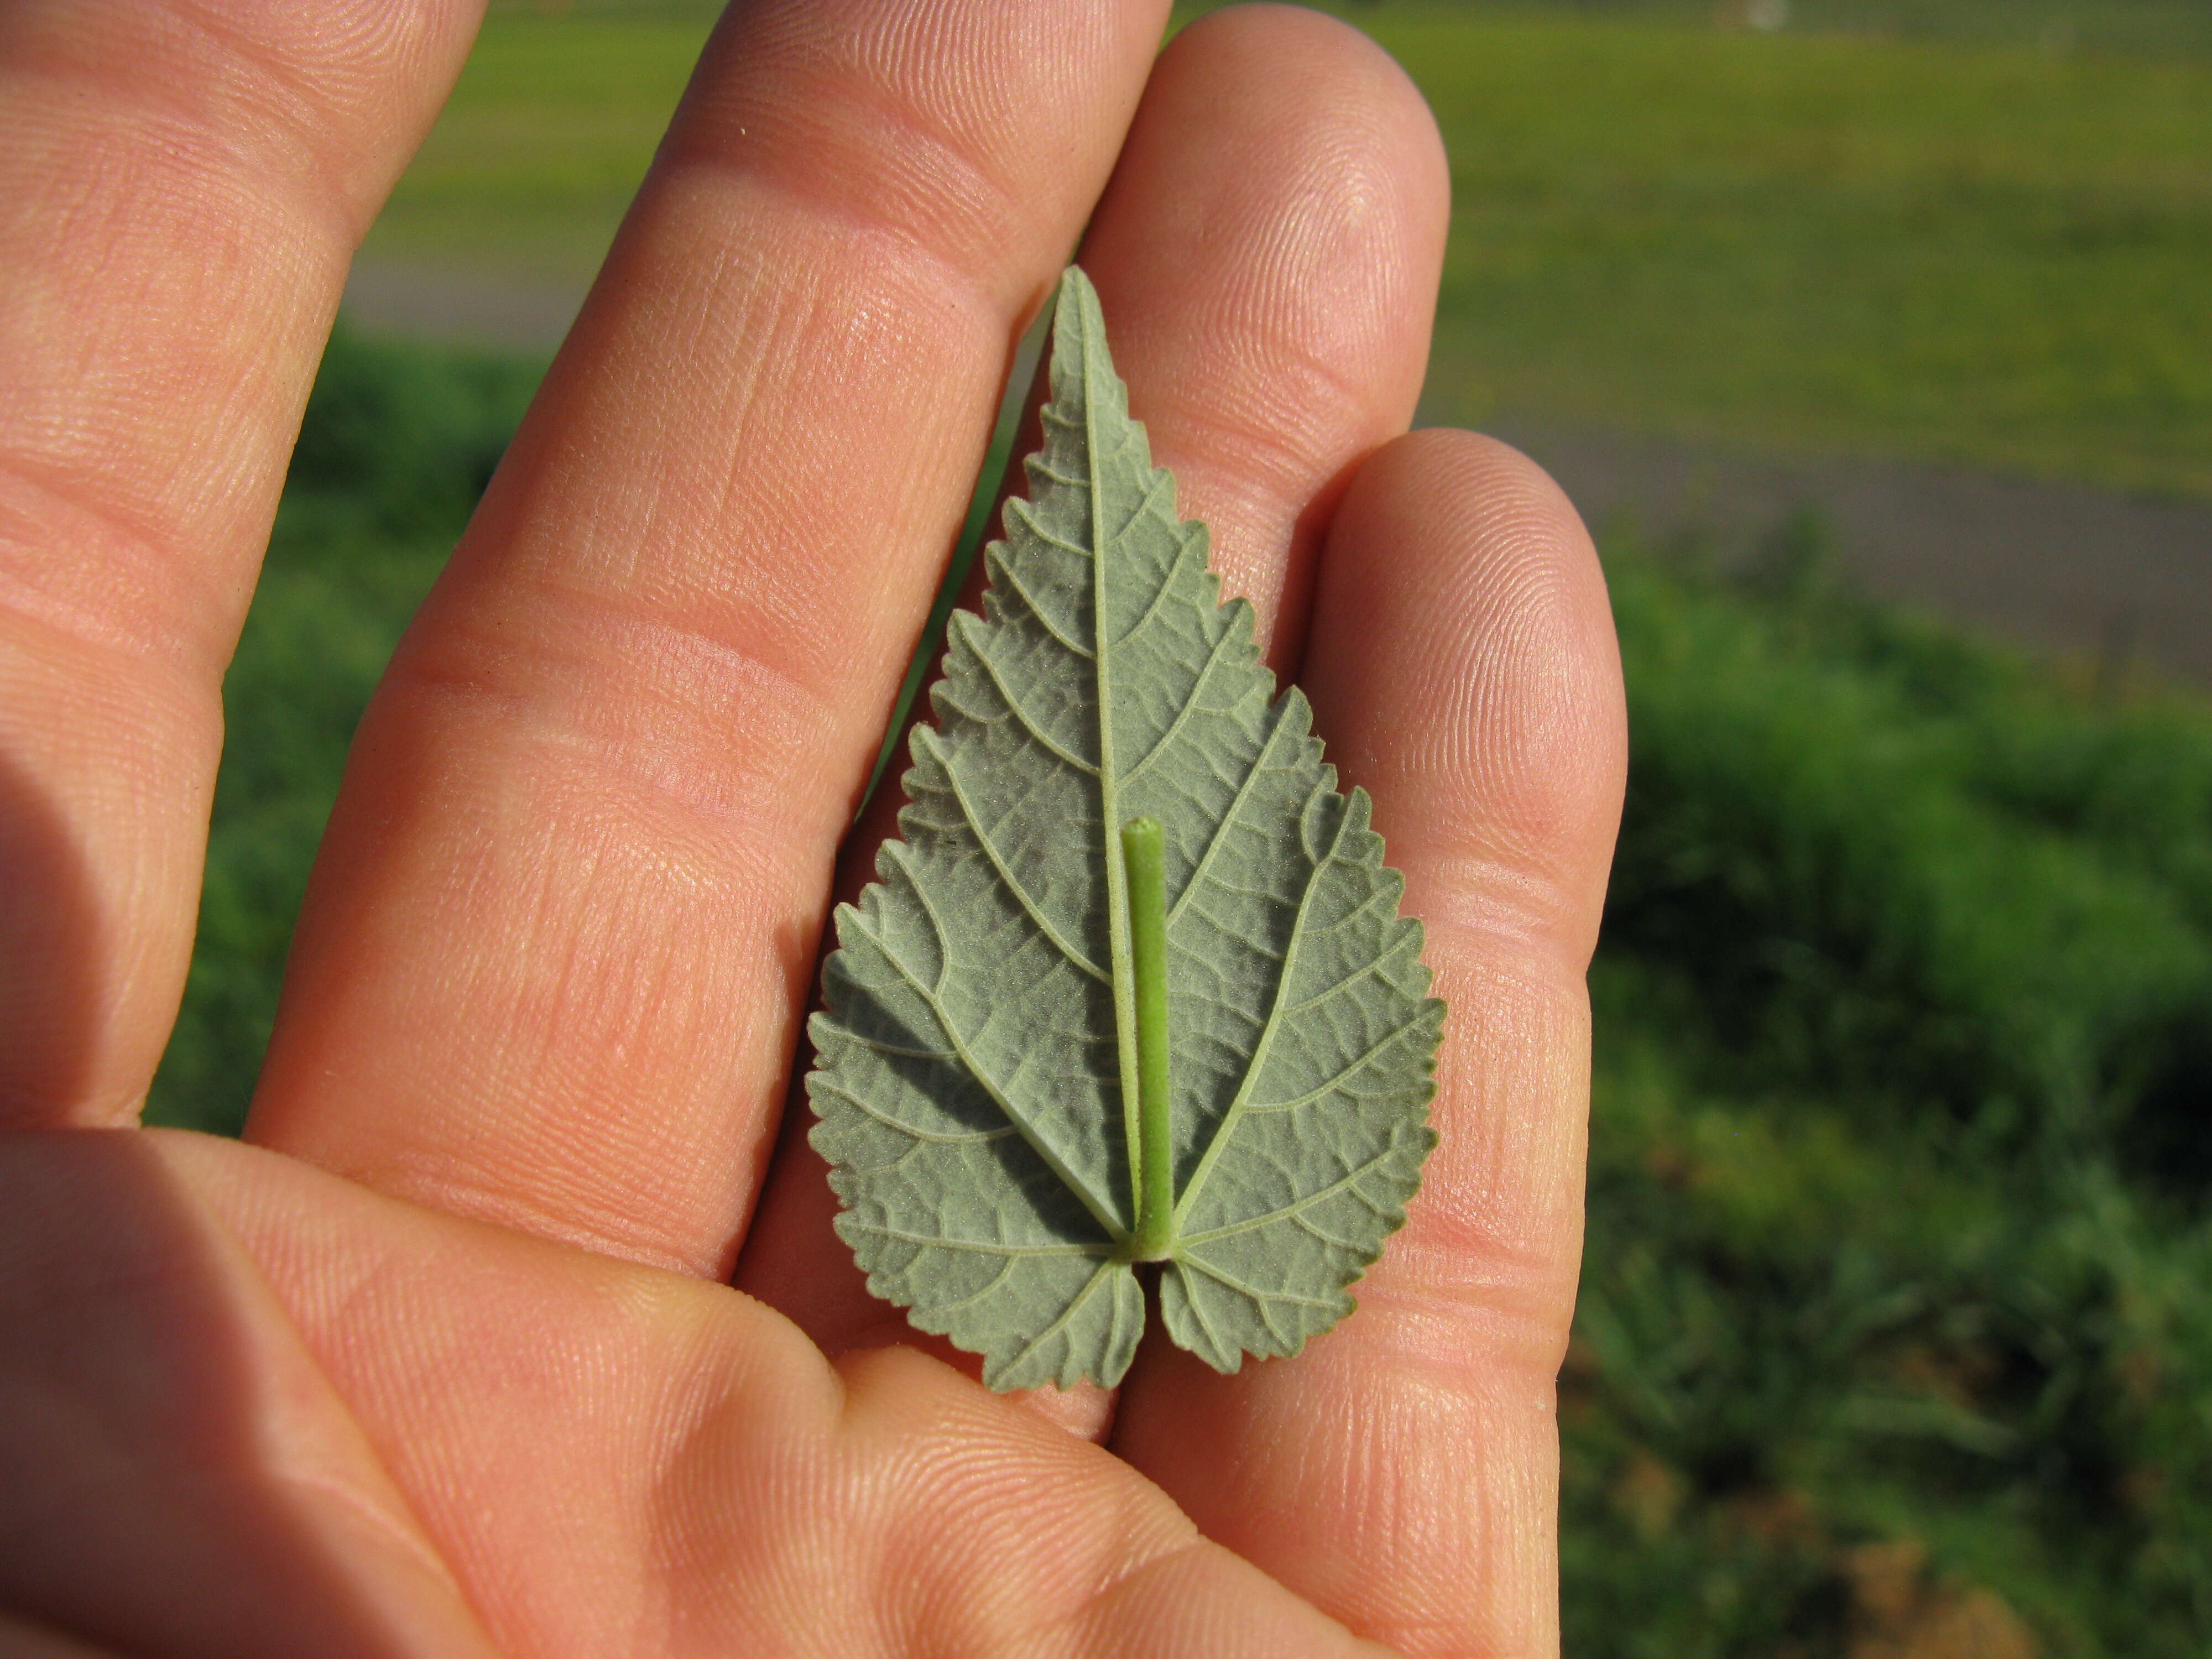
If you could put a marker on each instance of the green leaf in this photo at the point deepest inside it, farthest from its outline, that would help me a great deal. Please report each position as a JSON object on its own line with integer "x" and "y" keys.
{"x": 978, "y": 1060}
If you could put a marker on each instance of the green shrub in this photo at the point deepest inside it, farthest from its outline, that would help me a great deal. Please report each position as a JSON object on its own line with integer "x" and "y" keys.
{"x": 1899, "y": 1233}
{"x": 397, "y": 444}
{"x": 405, "y": 435}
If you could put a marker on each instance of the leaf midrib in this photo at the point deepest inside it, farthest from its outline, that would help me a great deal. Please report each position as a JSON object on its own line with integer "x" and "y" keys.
{"x": 1110, "y": 821}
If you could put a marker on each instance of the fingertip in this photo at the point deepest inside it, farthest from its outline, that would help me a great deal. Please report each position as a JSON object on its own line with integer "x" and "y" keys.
{"x": 1269, "y": 254}
{"x": 1465, "y": 669}
{"x": 1332, "y": 74}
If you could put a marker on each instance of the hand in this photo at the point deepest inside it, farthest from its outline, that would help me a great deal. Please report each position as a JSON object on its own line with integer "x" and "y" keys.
{"x": 444, "y": 1361}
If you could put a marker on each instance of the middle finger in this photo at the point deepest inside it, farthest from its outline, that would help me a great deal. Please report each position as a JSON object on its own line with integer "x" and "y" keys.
{"x": 561, "y": 929}
{"x": 1267, "y": 256}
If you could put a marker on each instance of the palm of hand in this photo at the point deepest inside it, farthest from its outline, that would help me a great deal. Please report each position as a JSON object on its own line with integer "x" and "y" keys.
{"x": 445, "y": 1364}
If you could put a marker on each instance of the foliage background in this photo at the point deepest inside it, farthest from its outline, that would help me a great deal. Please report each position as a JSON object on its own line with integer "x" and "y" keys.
{"x": 1895, "y": 1336}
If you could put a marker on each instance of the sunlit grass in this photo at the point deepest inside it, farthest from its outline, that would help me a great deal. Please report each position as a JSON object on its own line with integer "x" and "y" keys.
{"x": 1997, "y": 255}
{"x": 545, "y": 138}
{"x": 1993, "y": 256}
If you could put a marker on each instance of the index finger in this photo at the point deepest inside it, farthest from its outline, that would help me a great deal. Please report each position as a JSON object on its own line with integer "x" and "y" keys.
{"x": 181, "y": 185}
{"x": 551, "y": 964}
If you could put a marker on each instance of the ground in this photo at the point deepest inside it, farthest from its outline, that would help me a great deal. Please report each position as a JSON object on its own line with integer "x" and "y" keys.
{"x": 1951, "y": 285}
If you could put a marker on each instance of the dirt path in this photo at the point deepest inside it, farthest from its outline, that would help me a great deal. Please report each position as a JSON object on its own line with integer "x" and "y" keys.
{"x": 432, "y": 302}
{"x": 2085, "y": 571}
{"x": 2081, "y": 570}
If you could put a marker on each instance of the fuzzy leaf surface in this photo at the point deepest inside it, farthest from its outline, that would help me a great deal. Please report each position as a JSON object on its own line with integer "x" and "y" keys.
{"x": 976, "y": 1068}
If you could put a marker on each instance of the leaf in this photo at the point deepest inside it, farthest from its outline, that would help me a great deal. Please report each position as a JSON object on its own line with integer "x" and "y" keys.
{"x": 977, "y": 1078}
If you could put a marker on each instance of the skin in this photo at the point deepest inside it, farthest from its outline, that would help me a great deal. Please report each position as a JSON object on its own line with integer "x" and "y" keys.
{"x": 446, "y": 1359}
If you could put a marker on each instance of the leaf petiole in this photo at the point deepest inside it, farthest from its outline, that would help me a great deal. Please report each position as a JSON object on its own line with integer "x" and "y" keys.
{"x": 1144, "y": 860}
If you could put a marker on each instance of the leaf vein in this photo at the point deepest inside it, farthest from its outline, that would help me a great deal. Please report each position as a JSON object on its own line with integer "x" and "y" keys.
{"x": 1381, "y": 895}
{"x": 1043, "y": 617}
{"x": 1259, "y": 1299}
{"x": 935, "y": 1138}
{"x": 1289, "y": 1212}
{"x": 1160, "y": 479}
{"x": 1198, "y": 1311}
{"x": 1324, "y": 1235}
{"x": 1153, "y": 607}
{"x": 977, "y": 1246}
{"x": 1052, "y": 745}
{"x": 897, "y": 1050}
{"x": 1067, "y": 1316}
{"x": 1076, "y": 959}
{"x": 1059, "y": 1166}
{"x": 1182, "y": 714}
{"x": 1031, "y": 523}
{"x": 1265, "y": 1042}
{"x": 1228, "y": 818}
{"x": 1357, "y": 1065}
{"x": 1005, "y": 1272}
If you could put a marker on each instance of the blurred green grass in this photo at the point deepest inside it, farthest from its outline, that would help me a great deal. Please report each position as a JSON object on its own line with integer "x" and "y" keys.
{"x": 549, "y": 129}
{"x": 398, "y": 442}
{"x": 1999, "y": 256}
{"x": 1900, "y": 1206}
{"x": 1947, "y": 242}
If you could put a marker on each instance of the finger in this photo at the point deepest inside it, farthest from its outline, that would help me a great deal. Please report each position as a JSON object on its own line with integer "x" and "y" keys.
{"x": 20, "y": 1639}
{"x": 614, "y": 1459}
{"x": 176, "y": 1475}
{"x": 1267, "y": 256}
{"x": 553, "y": 957}
{"x": 181, "y": 186}
{"x": 1401, "y": 1472}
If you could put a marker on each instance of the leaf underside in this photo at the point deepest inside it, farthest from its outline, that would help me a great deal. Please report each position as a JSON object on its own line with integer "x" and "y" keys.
{"x": 977, "y": 1034}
